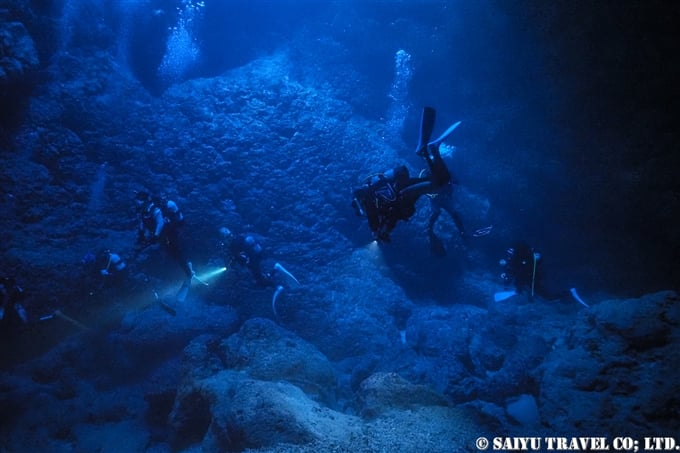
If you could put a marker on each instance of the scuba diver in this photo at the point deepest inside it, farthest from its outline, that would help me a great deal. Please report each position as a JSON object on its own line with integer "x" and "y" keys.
{"x": 391, "y": 196}
{"x": 523, "y": 268}
{"x": 160, "y": 221}
{"x": 388, "y": 197}
{"x": 107, "y": 268}
{"x": 12, "y": 312}
{"x": 246, "y": 250}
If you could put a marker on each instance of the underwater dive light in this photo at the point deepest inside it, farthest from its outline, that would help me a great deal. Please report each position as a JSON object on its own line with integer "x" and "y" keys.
{"x": 205, "y": 276}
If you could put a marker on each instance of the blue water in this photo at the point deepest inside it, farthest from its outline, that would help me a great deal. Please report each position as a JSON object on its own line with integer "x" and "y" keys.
{"x": 263, "y": 116}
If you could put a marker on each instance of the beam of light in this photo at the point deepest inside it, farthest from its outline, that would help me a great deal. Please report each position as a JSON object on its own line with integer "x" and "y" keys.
{"x": 208, "y": 275}
{"x": 372, "y": 247}
{"x": 111, "y": 314}
{"x": 373, "y": 253}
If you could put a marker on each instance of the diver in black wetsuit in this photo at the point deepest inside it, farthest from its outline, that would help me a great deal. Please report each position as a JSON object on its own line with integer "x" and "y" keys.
{"x": 388, "y": 197}
{"x": 523, "y": 268}
{"x": 391, "y": 196}
{"x": 12, "y": 311}
{"x": 160, "y": 221}
{"x": 246, "y": 250}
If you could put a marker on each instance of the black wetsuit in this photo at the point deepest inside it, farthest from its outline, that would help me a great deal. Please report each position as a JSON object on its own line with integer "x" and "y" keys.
{"x": 246, "y": 249}
{"x": 387, "y": 198}
{"x": 524, "y": 269}
{"x": 443, "y": 198}
{"x": 13, "y": 313}
{"x": 164, "y": 226}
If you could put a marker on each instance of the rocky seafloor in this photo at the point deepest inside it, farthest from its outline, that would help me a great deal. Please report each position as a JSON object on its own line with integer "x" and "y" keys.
{"x": 260, "y": 148}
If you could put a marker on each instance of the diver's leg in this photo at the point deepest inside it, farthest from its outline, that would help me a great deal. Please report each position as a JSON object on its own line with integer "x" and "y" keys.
{"x": 436, "y": 245}
{"x": 434, "y": 151}
{"x": 448, "y": 206}
{"x": 428, "y": 161}
{"x": 458, "y": 221}
{"x": 436, "y": 212}
{"x": 175, "y": 251}
{"x": 426, "y": 127}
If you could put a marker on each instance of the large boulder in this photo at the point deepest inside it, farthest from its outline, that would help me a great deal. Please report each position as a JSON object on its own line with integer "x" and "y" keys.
{"x": 261, "y": 386}
{"x": 231, "y": 412}
{"x": 383, "y": 392}
{"x": 619, "y": 354}
{"x": 266, "y": 413}
{"x": 268, "y": 352}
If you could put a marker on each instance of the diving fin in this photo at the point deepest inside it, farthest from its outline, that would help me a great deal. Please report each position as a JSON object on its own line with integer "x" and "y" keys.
{"x": 192, "y": 274}
{"x": 502, "y": 295}
{"x": 276, "y": 294}
{"x": 78, "y": 324}
{"x": 578, "y": 298}
{"x": 202, "y": 282}
{"x": 167, "y": 308}
{"x": 288, "y": 280}
{"x": 444, "y": 136}
{"x": 426, "y": 128}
